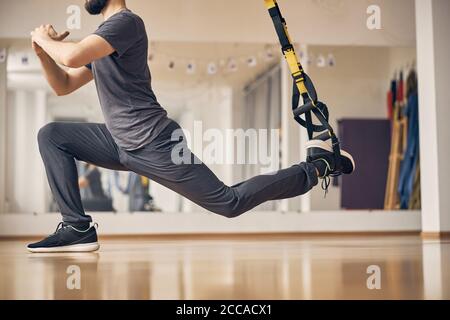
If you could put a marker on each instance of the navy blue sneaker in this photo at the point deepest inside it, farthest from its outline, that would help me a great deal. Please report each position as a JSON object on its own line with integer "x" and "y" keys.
{"x": 321, "y": 155}
{"x": 321, "y": 152}
{"x": 68, "y": 239}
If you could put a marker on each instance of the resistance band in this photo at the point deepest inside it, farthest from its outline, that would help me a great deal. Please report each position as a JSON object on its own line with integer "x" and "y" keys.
{"x": 304, "y": 87}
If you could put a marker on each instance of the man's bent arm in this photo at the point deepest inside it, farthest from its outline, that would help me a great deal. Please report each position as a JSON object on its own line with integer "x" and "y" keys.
{"x": 75, "y": 55}
{"x": 63, "y": 82}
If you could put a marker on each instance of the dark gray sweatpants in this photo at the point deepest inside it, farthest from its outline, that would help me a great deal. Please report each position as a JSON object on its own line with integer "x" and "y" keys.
{"x": 61, "y": 143}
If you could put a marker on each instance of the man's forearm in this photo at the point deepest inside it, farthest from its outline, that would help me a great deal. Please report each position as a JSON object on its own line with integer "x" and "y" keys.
{"x": 55, "y": 75}
{"x": 61, "y": 52}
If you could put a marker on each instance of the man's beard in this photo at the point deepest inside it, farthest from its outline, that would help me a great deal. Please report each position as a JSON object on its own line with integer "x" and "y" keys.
{"x": 95, "y": 7}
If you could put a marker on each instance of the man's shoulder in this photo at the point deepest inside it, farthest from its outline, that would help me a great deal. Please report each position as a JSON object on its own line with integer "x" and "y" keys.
{"x": 127, "y": 14}
{"x": 124, "y": 18}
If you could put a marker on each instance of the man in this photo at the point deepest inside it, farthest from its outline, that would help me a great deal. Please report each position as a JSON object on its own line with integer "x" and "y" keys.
{"x": 93, "y": 196}
{"x": 137, "y": 134}
{"x": 137, "y": 190}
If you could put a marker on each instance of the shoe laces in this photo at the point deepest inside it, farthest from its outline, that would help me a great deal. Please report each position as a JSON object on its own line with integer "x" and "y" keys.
{"x": 326, "y": 180}
{"x": 60, "y": 227}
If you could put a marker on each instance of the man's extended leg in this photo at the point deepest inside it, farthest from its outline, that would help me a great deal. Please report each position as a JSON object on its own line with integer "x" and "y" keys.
{"x": 60, "y": 144}
{"x": 200, "y": 185}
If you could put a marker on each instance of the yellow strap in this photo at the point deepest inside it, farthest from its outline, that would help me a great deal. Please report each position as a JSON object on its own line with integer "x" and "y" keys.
{"x": 296, "y": 70}
{"x": 294, "y": 64}
{"x": 291, "y": 57}
{"x": 270, "y": 4}
{"x": 144, "y": 181}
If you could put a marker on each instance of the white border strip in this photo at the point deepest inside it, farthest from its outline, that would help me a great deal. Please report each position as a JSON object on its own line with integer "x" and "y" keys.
{"x": 204, "y": 223}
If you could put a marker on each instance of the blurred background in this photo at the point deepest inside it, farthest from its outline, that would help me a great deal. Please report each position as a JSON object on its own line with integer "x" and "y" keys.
{"x": 219, "y": 62}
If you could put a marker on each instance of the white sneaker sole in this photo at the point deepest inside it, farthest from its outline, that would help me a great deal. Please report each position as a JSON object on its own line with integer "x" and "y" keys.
{"x": 83, "y": 247}
{"x": 327, "y": 147}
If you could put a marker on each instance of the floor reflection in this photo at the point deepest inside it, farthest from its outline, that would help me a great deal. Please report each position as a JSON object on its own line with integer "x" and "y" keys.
{"x": 436, "y": 266}
{"x": 298, "y": 268}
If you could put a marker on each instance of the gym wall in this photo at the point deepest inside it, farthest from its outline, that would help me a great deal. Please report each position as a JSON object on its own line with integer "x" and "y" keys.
{"x": 355, "y": 88}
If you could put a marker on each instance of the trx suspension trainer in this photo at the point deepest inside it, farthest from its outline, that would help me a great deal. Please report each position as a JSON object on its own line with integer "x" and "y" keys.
{"x": 304, "y": 87}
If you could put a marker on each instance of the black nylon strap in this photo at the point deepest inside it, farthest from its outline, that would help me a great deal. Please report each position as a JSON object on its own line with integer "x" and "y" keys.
{"x": 284, "y": 40}
{"x": 307, "y": 122}
{"x": 319, "y": 110}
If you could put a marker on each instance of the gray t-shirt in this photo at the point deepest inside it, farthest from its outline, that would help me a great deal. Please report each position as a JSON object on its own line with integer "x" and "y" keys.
{"x": 123, "y": 80}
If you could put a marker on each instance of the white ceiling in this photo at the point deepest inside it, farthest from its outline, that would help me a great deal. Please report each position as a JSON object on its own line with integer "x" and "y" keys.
{"x": 326, "y": 22}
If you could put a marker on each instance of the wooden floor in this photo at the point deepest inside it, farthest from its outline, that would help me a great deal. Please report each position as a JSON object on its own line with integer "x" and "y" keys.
{"x": 233, "y": 268}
